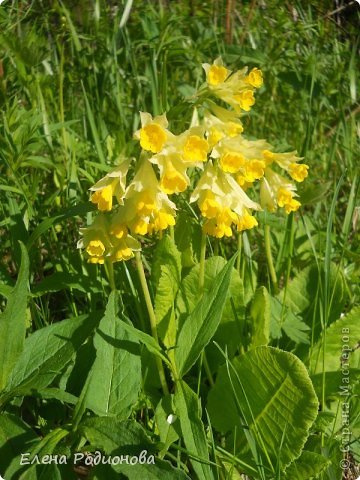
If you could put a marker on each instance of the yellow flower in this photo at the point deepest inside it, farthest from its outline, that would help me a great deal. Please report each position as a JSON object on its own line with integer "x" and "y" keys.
{"x": 124, "y": 249}
{"x": 146, "y": 209}
{"x": 238, "y": 155}
{"x": 285, "y": 199}
{"x": 231, "y": 162}
{"x": 195, "y": 149}
{"x": 222, "y": 202}
{"x": 95, "y": 240}
{"x": 245, "y": 99}
{"x": 236, "y": 89}
{"x": 275, "y": 191}
{"x": 113, "y": 184}
{"x": 298, "y": 171}
{"x": 223, "y": 126}
{"x": 255, "y": 78}
{"x": 153, "y": 133}
{"x": 216, "y": 73}
{"x": 95, "y": 248}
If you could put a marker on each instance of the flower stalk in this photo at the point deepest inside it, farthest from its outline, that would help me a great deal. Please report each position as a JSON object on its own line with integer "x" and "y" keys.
{"x": 152, "y": 317}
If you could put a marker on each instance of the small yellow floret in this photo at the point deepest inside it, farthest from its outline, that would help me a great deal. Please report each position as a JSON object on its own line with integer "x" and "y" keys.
{"x": 233, "y": 129}
{"x": 123, "y": 254}
{"x": 268, "y": 157}
{"x": 152, "y": 137}
{"x": 254, "y": 170}
{"x": 195, "y": 149}
{"x": 217, "y": 74}
{"x": 95, "y": 248}
{"x": 298, "y": 171}
{"x": 146, "y": 204}
{"x": 231, "y": 162}
{"x": 162, "y": 220}
{"x": 98, "y": 260}
{"x": 255, "y": 78}
{"x": 209, "y": 207}
{"x": 246, "y": 221}
{"x": 140, "y": 227}
{"x": 172, "y": 181}
{"x": 245, "y": 99}
{"x": 119, "y": 231}
{"x": 103, "y": 198}
{"x": 215, "y": 136}
{"x": 285, "y": 199}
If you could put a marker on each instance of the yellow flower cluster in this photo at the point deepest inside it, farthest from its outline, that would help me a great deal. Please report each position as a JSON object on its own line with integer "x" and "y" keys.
{"x": 231, "y": 165}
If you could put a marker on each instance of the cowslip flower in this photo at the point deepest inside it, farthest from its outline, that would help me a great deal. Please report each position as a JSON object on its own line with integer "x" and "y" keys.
{"x": 223, "y": 203}
{"x": 288, "y": 161}
{"x": 236, "y": 89}
{"x": 113, "y": 184}
{"x": 147, "y": 209}
{"x": 100, "y": 245}
{"x": 219, "y": 127}
{"x": 276, "y": 190}
{"x": 189, "y": 149}
{"x": 241, "y": 157}
{"x": 153, "y": 133}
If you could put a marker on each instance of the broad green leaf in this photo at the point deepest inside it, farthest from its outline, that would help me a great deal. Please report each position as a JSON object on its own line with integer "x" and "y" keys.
{"x": 200, "y": 326}
{"x": 13, "y": 322}
{"x": 149, "y": 342}
{"x": 339, "y": 345}
{"x": 283, "y": 319}
{"x": 271, "y": 395}
{"x": 301, "y": 294}
{"x": 109, "y": 434}
{"x": 188, "y": 409}
{"x": 123, "y": 438}
{"x": 229, "y": 333}
{"x": 260, "y": 314}
{"x": 308, "y": 466}
{"x": 115, "y": 378}
{"x": 46, "y": 353}
{"x": 166, "y": 254}
{"x": 48, "y": 444}
{"x": 16, "y": 437}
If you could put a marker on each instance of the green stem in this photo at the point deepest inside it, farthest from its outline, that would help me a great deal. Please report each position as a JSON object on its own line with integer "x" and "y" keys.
{"x": 202, "y": 263}
{"x": 201, "y": 291}
{"x": 150, "y": 309}
{"x": 110, "y": 274}
{"x": 238, "y": 260}
{"x": 270, "y": 258}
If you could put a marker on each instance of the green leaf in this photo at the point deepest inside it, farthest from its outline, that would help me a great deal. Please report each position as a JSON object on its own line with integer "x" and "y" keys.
{"x": 16, "y": 437}
{"x": 260, "y": 314}
{"x": 200, "y": 326}
{"x": 188, "y": 409}
{"x": 115, "y": 378}
{"x": 46, "y": 353}
{"x": 166, "y": 276}
{"x": 339, "y": 345}
{"x": 116, "y": 437}
{"x": 271, "y": 396}
{"x": 13, "y": 321}
{"x": 282, "y": 318}
{"x": 229, "y": 333}
{"x": 302, "y": 293}
{"x": 149, "y": 342}
{"x": 308, "y": 466}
